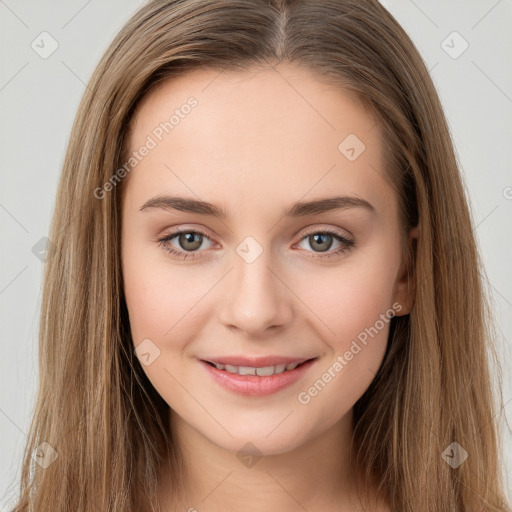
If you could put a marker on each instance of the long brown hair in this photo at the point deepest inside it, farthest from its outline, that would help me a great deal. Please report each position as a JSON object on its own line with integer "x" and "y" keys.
{"x": 96, "y": 409}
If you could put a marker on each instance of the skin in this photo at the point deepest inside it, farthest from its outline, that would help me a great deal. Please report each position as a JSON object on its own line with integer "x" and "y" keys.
{"x": 257, "y": 142}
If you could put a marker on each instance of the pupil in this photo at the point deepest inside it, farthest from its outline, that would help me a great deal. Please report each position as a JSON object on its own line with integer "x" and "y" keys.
{"x": 190, "y": 238}
{"x": 322, "y": 236}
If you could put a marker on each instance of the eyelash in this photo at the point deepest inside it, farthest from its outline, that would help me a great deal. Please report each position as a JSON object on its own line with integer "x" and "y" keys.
{"x": 347, "y": 244}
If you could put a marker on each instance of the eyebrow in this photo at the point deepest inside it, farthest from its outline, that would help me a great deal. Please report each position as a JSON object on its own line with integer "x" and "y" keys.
{"x": 299, "y": 209}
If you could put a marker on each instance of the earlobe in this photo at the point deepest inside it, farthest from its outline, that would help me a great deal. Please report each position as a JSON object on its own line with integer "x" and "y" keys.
{"x": 404, "y": 286}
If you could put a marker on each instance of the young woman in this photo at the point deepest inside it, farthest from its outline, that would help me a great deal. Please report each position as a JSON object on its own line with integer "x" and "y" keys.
{"x": 264, "y": 290}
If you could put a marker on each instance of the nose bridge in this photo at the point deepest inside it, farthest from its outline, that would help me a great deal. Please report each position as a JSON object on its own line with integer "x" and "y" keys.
{"x": 255, "y": 299}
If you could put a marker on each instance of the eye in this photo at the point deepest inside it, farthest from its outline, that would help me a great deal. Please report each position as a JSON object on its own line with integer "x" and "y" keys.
{"x": 322, "y": 240}
{"x": 189, "y": 242}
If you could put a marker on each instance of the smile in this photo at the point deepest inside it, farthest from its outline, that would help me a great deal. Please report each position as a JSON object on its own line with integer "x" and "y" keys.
{"x": 264, "y": 371}
{"x": 257, "y": 381}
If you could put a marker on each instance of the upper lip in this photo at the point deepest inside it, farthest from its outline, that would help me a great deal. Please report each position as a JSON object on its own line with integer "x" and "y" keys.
{"x": 256, "y": 362}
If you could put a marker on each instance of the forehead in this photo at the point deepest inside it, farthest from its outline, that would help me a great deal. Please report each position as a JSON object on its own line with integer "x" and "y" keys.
{"x": 268, "y": 96}
{"x": 274, "y": 131}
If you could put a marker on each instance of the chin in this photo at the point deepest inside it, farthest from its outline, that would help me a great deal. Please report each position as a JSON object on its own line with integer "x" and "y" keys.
{"x": 256, "y": 442}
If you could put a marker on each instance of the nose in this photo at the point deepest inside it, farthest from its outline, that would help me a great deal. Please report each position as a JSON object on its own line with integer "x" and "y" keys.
{"x": 256, "y": 300}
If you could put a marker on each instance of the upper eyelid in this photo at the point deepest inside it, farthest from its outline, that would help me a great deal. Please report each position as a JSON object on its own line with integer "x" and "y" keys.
{"x": 307, "y": 231}
{"x": 314, "y": 228}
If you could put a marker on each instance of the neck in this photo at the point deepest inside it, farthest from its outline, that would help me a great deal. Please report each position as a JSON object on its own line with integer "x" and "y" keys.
{"x": 313, "y": 476}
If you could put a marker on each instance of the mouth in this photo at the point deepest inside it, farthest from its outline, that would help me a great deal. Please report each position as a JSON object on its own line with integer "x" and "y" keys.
{"x": 257, "y": 381}
{"x": 259, "y": 371}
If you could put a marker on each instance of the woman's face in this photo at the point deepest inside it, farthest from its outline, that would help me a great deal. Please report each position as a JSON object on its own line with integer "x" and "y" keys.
{"x": 272, "y": 278}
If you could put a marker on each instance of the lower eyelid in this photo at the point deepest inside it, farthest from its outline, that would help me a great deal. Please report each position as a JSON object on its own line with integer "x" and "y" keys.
{"x": 171, "y": 236}
{"x": 346, "y": 243}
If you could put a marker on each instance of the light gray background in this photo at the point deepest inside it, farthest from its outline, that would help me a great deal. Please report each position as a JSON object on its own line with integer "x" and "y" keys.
{"x": 39, "y": 98}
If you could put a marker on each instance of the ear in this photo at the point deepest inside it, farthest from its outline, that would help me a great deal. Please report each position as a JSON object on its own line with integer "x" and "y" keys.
{"x": 404, "y": 293}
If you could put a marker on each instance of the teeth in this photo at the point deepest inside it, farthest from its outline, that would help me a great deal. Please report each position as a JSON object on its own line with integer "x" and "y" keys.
{"x": 262, "y": 372}
{"x": 246, "y": 370}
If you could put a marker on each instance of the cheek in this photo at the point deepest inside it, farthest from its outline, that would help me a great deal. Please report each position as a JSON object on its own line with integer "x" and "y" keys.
{"x": 157, "y": 298}
{"x": 352, "y": 309}
{"x": 163, "y": 304}
{"x": 351, "y": 298}
{"x": 167, "y": 303}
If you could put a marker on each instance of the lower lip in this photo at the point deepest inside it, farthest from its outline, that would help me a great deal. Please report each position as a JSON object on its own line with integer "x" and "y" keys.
{"x": 252, "y": 385}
